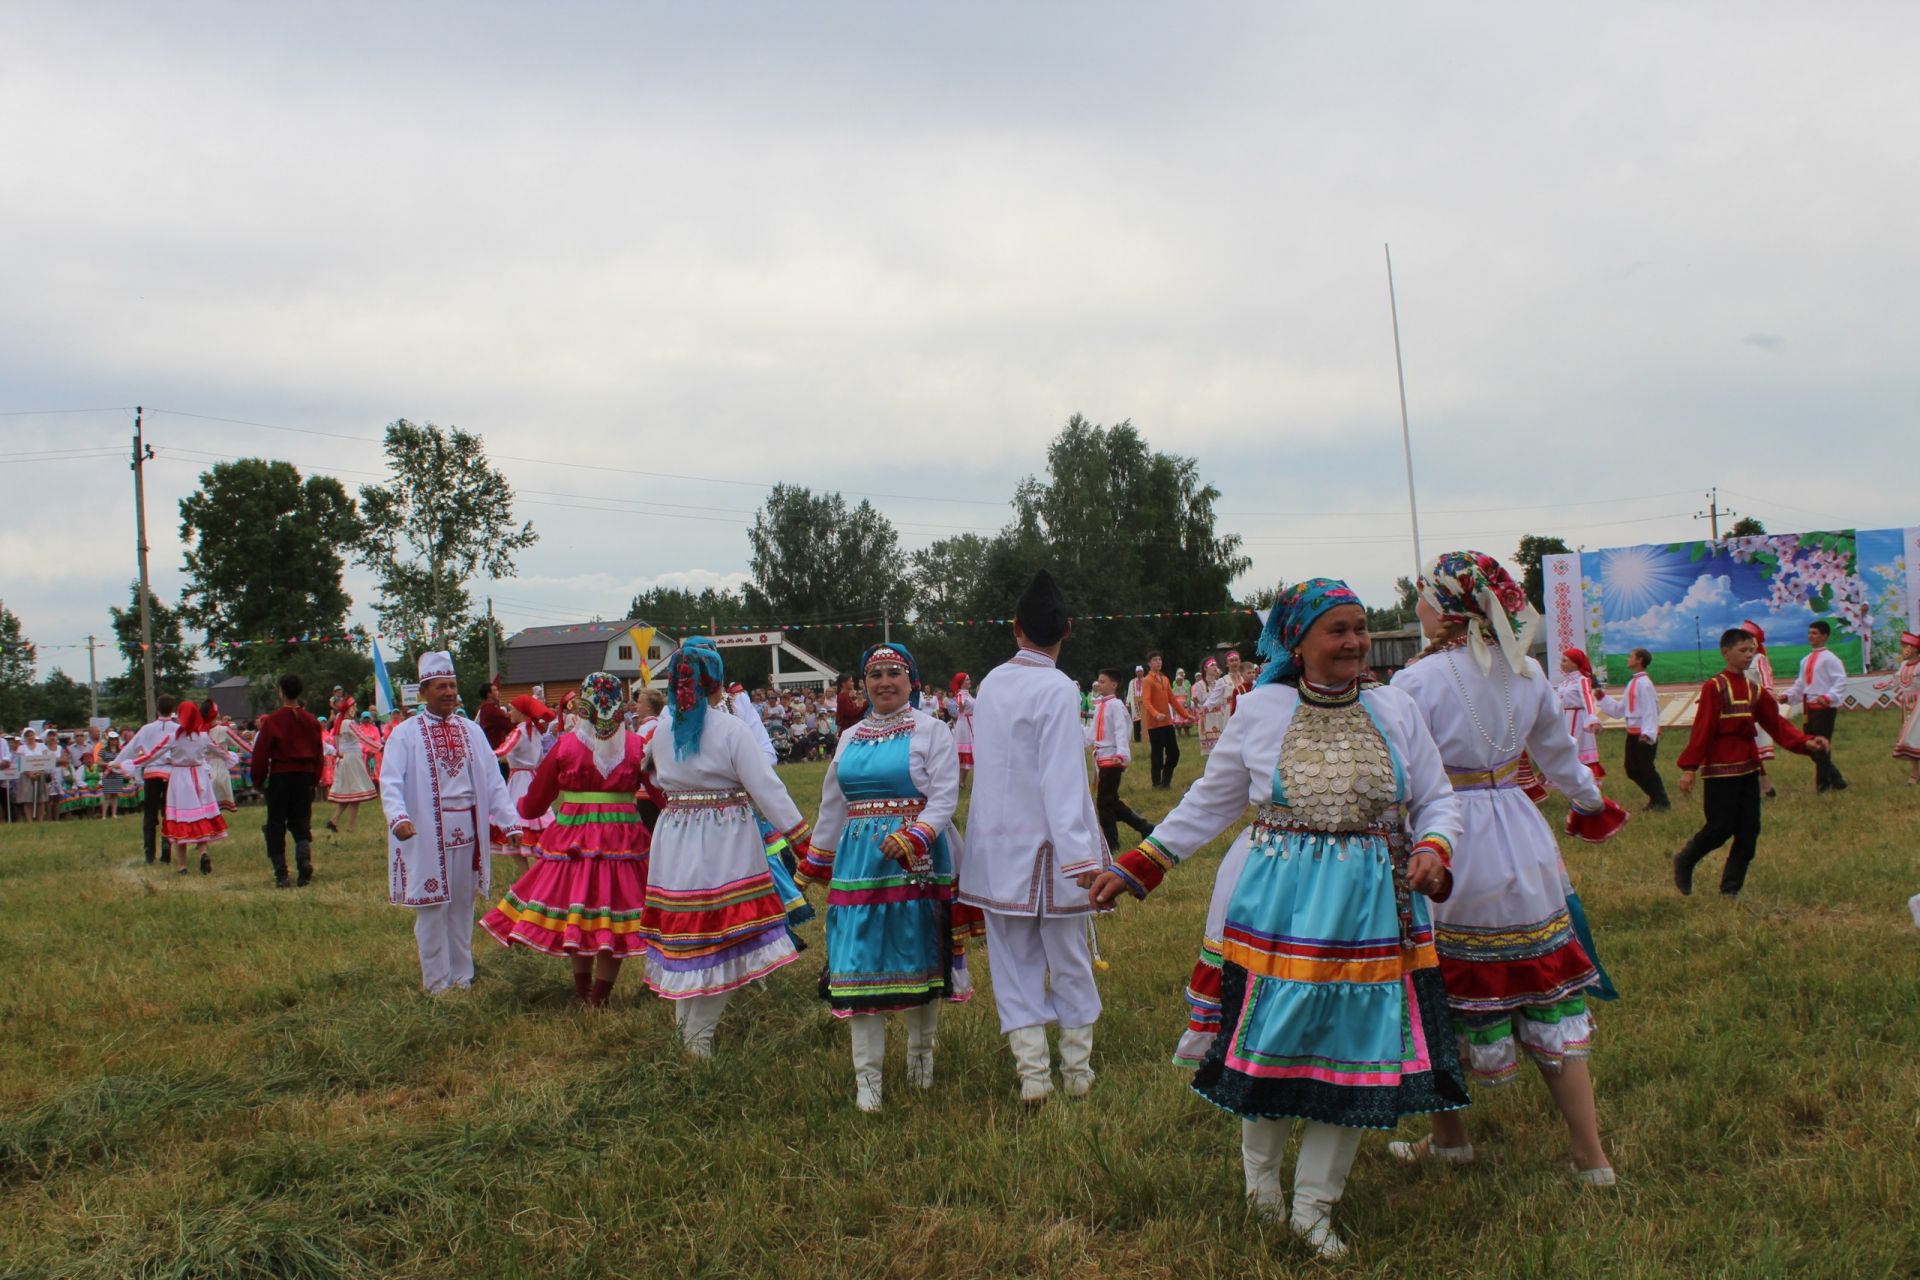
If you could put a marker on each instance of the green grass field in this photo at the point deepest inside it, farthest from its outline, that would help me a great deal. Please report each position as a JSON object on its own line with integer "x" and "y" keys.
{"x": 1684, "y": 666}
{"x": 206, "y": 1077}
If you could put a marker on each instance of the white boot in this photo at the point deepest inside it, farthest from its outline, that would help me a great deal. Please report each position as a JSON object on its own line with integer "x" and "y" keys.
{"x": 922, "y": 1027}
{"x": 1319, "y": 1176}
{"x": 869, "y": 1052}
{"x": 1029, "y": 1045}
{"x": 1261, "y": 1144}
{"x": 702, "y": 1018}
{"x": 1076, "y": 1060}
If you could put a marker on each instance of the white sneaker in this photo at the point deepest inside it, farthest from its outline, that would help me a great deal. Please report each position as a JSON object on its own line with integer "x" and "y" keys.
{"x": 1424, "y": 1149}
{"x": 1600, "y": 1177}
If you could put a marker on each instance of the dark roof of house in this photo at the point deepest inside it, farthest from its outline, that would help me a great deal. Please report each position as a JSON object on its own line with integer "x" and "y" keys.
{"x": 539, "y": 654}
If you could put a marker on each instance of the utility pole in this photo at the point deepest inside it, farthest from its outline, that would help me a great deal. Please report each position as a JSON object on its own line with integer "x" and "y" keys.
{"x": 493, "y": 659}
{"x": 1714, "y": 511}
{"x": 142, "y": 453}
{"x": 1406, "y": 434}
{"x": 93, "y": 683}
{"x": 886, "y": 624}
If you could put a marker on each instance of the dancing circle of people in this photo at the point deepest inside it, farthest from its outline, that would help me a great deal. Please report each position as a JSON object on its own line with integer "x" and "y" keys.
{"x": 1395, "y": 922}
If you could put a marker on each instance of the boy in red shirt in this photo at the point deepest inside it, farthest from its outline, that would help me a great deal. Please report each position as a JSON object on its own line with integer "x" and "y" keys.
{"x": 1722, "y": 747}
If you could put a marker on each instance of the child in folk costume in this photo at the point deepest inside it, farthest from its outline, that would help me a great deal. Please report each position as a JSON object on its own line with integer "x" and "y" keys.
{"x": 1820, "y": 688}
{"x": 1639, "y": 706}
{"x": 713, "y": 920}
{"x": 1517, "y": 970}
{"x": 520, "y": 752}
{"x": 443, "y": 797}
{"x": 193, "y": 811}
{"x": 1580, "y": 707}
{"x": 1106, "y": 732}
{"x": 1331, "y": 1005}
{"x": 885, "y": 847}
{"x": 1905, "y": 684}
{"x": 960, "y": 710}
{"x": 1761, "y": 673}
{"x": 352, "y": 784}
{"x": 1731, "y": 707}
{"x": 1033, "y": 848}
{"x": 585, "y": 892}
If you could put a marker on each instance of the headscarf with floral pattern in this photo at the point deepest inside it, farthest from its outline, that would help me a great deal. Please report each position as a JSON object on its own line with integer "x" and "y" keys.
{"x": 1473, "y": 588}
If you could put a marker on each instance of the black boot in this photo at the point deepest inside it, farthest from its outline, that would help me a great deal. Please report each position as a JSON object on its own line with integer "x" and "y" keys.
{"x": 1683, "y": 864}
{"x": 303, "y": 860}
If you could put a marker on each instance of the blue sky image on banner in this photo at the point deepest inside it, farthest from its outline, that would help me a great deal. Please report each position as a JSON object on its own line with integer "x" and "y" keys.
{"x": 1675, "y": 599}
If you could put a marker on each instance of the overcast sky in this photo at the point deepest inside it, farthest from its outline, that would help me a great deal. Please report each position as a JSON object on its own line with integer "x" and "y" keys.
{"x": 1641, "y": 249}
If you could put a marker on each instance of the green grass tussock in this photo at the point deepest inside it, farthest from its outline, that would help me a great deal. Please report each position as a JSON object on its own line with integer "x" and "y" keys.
{"x": 207, "y": 1077}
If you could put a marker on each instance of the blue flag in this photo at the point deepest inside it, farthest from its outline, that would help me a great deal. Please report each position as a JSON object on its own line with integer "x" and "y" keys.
{"x": 382, "y": 687}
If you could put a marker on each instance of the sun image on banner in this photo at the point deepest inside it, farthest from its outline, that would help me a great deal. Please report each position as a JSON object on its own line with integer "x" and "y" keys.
{"x": 1675, "y": 599}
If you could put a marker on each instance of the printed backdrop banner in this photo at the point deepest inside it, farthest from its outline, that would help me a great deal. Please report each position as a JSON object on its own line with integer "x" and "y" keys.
{"x": 1565, "y": 607}
{"x": 1675, "y": 599}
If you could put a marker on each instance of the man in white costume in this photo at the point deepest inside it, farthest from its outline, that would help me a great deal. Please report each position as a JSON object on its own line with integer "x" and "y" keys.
{"x": 1033, "y": 846}
{"x": 442, "y": 791}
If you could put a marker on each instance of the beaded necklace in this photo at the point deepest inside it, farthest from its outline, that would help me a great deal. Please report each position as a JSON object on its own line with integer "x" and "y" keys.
{"x": 1319, "y": 696}
{"x": 1512, "y": 744}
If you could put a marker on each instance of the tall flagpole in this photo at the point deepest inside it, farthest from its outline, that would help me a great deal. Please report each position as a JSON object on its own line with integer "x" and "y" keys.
{"x": 1406, "y": 435}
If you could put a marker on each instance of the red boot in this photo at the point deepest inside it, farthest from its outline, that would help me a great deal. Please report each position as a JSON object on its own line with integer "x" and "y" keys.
{"x": 597, "y": 995}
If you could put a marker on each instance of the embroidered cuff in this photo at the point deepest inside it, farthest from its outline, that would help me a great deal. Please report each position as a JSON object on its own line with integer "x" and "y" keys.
{"x": 797, "y": 839}
{"x": 1436, "y": 844}
{"x": 816, "y": 867}
{"x": 1599, "y": 825}
{"x": 1144, "y": 866}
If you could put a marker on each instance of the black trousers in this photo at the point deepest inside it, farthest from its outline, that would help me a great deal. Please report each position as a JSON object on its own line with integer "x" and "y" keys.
{"x": 1112, "y": 810}
{"x": 1819, "y": 723}
{"x": 1733, "y": 813}
{"x": 1165, "y": 754}
{"x": 289, "y": 808}
{"x": 1643, "y": 771}
{"x": 153, "y": 807}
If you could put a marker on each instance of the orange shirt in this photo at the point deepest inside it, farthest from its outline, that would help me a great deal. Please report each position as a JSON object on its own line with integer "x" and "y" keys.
{"x": 1156, "y": 700}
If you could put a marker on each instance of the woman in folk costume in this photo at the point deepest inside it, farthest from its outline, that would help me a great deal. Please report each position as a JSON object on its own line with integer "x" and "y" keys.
{"x": 1518, "y": 969}
{"x": 521, "y": 753}
{"x": 352, "y": 784}
{"x": 713, "y": 921}
{"x": 228, "y": 735}
{"x": 585, "y": 892}
{"x": 193, "y": 811}
{"x": 885, "y": 847}
{"x": 781, "y": 859}
{"x": 1580, "y": 708}
{"x": 1331, "y": 1005}
{"x": 1761, "y": 673}
{"x": 1210, "y": 696}
{"x": 220, "y": 766}
{"x": 960, "y": 708}
{"x": 1905, "y": 684}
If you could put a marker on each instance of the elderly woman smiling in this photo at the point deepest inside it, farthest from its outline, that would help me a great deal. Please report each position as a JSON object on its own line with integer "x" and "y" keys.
{"x": 1319, "y": 951}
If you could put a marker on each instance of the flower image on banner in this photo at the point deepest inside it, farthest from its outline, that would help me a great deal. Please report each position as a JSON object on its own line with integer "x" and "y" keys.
{"x": 1675, "y": 599}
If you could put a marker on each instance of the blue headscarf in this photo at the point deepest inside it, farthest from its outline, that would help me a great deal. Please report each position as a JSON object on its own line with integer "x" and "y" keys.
{"x": 697, "y": 672}
{"x": 896, "y": 650}
{"x": 1296, "y": 609}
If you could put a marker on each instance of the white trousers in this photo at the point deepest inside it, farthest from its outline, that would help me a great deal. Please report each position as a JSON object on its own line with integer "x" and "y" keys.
{"x": 444, "y": 931}
{"x": 1042, "y": 971}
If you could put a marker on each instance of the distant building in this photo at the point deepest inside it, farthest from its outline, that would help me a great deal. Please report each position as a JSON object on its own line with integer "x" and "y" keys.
{"x": 234, "y": 697}
{"x": 560, "y": 657}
